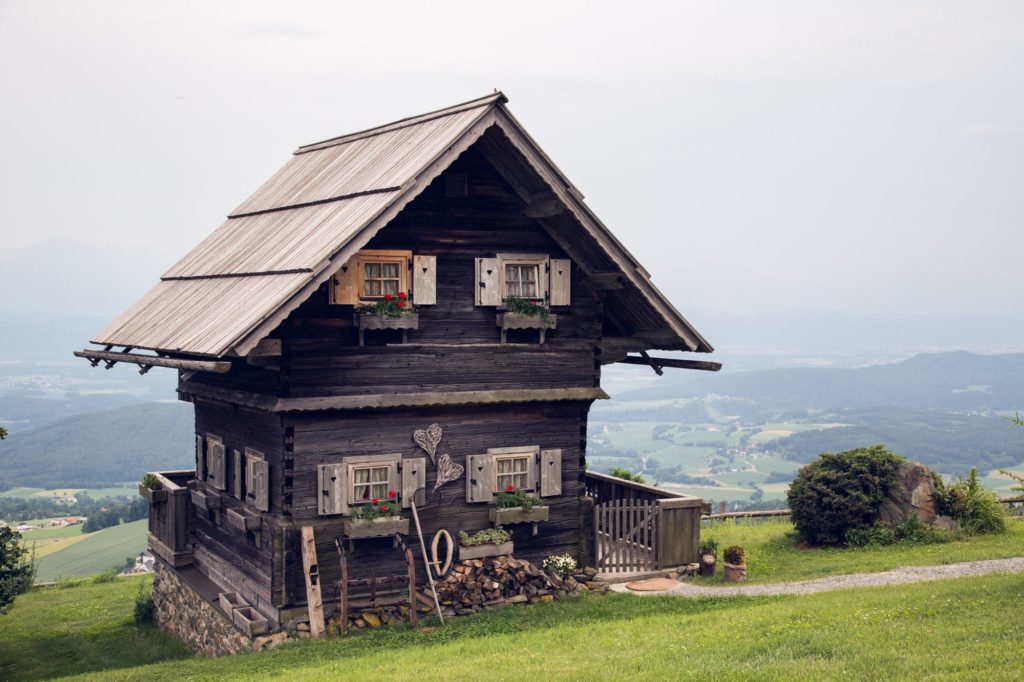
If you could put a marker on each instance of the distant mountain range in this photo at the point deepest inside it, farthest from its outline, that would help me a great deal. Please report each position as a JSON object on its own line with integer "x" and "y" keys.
{"x": 100, "y": 448}
{"x": 955, "y": 381}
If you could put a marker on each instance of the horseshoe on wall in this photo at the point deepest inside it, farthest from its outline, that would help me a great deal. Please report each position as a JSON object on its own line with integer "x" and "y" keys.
{"x": 441, "y": 570}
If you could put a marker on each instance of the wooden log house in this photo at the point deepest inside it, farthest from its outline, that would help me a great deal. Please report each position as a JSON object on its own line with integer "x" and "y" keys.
{"x": 307, "y": 409}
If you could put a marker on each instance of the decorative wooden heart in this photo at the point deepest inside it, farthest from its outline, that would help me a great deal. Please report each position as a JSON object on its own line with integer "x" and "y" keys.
{"x": 428, "y": 439}
{"x": 447, "y": 471}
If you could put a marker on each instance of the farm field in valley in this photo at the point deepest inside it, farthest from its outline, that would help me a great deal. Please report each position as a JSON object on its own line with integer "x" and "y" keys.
{"x": 86, "y": 554}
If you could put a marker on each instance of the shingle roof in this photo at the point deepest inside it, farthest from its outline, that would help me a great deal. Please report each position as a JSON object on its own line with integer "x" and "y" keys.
{"x": 327, "y": 201}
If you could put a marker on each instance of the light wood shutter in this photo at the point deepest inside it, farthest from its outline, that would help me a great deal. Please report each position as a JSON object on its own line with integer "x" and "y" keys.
{"x": 414, "y": 478}
{"x": 561, "y": 279}
{"x": 424, "y": 280}
{"x": 344, "y": 288}
{"x": 488, "y": 281}
{"x": 200, "y": 459}
{"x": 218, "y": 473}
{"x": 262, "y": 484}
{"x": 479, "y": 478}
{"x": 332, "y": 485}
{"x": 550, "y": 472}
{"x": 236, "y": 462}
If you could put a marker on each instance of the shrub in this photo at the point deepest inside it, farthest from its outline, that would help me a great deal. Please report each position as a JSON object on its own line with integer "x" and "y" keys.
{"x": 562, "y": 564}
{"x": 482, "y": 537}
{"x": 735, "y": 555}
{"x": 626, "y": 475}
{"x": 144, "y": 609}
{"x": 513, "y": 497}
{"x": 17, "y": 569}
{"x": 966, "y": 500}
{"x": 911, "y": 531}
{"x": 151, "y": 481}
{"x": 840, "y": 492}
{"x": 708, "y": 546}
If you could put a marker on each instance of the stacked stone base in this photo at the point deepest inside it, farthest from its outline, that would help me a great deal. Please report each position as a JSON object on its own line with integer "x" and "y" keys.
{"x": 182, "y": 612}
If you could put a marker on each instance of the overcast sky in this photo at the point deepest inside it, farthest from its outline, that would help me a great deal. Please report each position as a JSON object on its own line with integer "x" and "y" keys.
{"x": 755, "y": 156}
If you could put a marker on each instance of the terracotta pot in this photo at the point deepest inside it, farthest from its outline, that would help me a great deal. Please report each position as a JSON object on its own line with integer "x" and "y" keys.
{"x": 708, "y": 562}
{"x": 735, "y": 573}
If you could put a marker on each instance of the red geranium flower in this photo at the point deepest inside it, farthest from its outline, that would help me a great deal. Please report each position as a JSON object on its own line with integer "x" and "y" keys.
{"x": 374, "y": 500}
{"x": 401, "y": 304}
{"x": 510, "y": 488}
{"x": 391, "y": 494}
{"x": 401, "y": 294}
{"x": 383, "y": 507}
{"x": 387, "y": 297}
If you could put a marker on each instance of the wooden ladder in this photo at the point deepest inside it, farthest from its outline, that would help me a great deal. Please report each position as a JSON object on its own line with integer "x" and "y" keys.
{"x": 312, "y": 570}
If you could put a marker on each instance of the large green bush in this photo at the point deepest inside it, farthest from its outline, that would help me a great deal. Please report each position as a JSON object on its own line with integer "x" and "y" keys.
{"x": 840, "y": 492}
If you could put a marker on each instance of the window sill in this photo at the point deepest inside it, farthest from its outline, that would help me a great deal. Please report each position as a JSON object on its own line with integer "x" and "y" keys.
{"x": 509, "y": 515}
{"x": 377, "y": 528}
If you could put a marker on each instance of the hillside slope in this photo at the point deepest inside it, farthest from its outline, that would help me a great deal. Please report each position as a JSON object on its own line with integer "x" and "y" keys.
{"x": 100, "y": 448}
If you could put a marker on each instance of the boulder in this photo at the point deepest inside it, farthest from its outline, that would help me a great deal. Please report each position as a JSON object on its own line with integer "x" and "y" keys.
{"x": 913, "y": 494}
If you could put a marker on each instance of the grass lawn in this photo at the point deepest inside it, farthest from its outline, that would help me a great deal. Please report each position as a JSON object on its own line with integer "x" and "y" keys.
{"x": 100, "y": 551}
{"x": 968, "y": 628}
{"x": 773, "y": 556}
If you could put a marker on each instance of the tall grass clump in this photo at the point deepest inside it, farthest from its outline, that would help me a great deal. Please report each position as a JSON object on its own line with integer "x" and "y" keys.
{"x": 976, "y": 509}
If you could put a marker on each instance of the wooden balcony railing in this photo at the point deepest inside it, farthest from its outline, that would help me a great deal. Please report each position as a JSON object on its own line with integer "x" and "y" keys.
{"x": 169, "y": 517}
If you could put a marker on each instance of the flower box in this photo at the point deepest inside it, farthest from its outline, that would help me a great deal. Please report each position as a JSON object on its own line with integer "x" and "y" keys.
{"x": 375, "y": 528}
{"x": 488, "y": 549}
{"x": 371, "y": 322}
{"x": 517, "y": 321}
{"x": 503, "y": 516}
{"x": 229, "y": 601}
{"x": 249, "y": 621}
{"x": 152, "y": 496}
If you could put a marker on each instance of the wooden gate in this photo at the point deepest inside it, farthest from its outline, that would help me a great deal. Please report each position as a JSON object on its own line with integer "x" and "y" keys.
{"x": 626, "y": 535}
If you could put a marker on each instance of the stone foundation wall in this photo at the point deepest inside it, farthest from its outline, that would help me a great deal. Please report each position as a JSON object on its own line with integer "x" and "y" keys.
{"x": 181, "y": 611}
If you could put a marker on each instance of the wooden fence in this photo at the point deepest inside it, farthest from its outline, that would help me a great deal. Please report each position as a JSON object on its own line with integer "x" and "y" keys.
{"x": 669, "y": 522}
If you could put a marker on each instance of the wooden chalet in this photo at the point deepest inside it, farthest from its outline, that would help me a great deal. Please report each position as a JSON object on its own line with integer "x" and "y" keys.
{"x": 309, "y": 404}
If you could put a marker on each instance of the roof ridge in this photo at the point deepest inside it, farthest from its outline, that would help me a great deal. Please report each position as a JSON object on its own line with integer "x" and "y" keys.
{"x": 496, "y": 96}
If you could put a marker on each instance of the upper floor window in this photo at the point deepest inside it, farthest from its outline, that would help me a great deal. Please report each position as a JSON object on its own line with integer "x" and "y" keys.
{"x": 522, "y": 280}
{"x": 512, "y": 470}
{"x": 370, "y": 483}
{"x": 382, "y": 277}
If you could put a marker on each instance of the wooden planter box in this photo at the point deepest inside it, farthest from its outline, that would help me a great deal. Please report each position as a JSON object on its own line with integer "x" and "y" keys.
{"x": 242, "y": 521}
{"x": 377, "y": 322}
{"x": 229, "y": 601}
{"x": 153, "y": 496}
{"x": 377, "y": 528}
{"x": 515, "y": 321}
{"x": 486, "y": 550}
{"x": 250, "y": 621}
{"x": 508, "y": 515}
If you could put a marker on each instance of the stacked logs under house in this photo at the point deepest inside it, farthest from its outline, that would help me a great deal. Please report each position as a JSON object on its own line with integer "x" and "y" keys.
{"x": 475, "y": 584}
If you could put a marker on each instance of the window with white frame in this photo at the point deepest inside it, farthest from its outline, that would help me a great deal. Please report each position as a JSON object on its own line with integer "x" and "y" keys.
{"x": 522, "y": 280}
{"x": 382, "y": 277}
{"x": 369, "y": 482}
{"x": 512, "y": 470}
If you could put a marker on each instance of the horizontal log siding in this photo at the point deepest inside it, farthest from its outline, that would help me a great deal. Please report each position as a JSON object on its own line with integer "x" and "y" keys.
{"x": 326, "y": 438}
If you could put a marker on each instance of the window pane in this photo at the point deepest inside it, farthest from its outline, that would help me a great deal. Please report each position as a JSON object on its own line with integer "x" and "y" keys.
{"x": 519, "y": 464}
{"x": 379, "y": 474}
{"x": 519, "y": 480}
{"x": 529, "y": 273}
{"x": 389, "y": 270}
{"x": 391, "y": 286}
{"x": 504, "y": 466}
{"x": 372, "y": 270}
{"x": 361, "y": 475}
{"x": 372, "y": 287}
{"x": 512, "y": 273}
{"x": 380, "y": 490}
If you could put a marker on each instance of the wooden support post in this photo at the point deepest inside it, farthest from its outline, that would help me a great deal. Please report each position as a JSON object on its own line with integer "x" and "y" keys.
{"x": 411, "y": 565}
{"x": 312, "y": 570}
{"x": 343, "y": 586}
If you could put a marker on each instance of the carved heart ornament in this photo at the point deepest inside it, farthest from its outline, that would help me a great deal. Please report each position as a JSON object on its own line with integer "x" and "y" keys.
{"x": 428, "y": 439}
{"x": 447, "y": 471}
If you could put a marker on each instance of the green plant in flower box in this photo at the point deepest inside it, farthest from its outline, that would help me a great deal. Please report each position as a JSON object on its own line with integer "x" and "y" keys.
{"x": 735, "y": 555}
{"x": 526, "y": 307}
{"x": 492, "y": 536}
{"x": 151, "y": 481}
{"x": 515, "y": 497}
{"x": 390, "y": 306}
{"x": 377, "y": 509}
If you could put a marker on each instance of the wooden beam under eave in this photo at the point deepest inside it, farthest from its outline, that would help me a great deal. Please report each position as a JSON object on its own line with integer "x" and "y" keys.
{"x": 672, "y": 362}
{"x": 544, "y": 205}
{"x": 215, "y": 366}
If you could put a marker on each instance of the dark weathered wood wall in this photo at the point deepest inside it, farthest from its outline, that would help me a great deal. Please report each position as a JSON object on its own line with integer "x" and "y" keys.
{"x": 321, "y": 357}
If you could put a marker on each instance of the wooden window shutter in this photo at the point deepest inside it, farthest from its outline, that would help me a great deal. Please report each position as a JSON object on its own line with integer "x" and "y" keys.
{"x": 262, "y": 479}
{"x": 237, "y": 473}
{"x": 424, "y": 280}
{"x": 332, "y": 484}
{"x": 550, "y": 472}
{"x": 344, "y": 289}
{"x": 414, "y": 478}
{"x": 561, "y": 278}
{"x": 217, "y": 462}
{"x": 488, "y": 281}
{"x": 479, "y": 478}
{"x": 200, "y": 459}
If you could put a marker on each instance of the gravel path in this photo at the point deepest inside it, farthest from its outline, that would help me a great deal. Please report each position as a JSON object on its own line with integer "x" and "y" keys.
{"x": 899, "y": 576}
